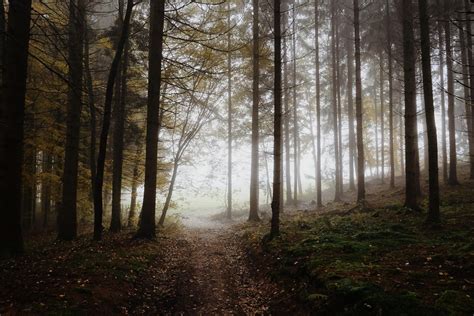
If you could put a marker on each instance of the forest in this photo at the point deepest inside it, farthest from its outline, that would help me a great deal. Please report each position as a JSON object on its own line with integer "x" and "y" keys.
{"x": 236, "y": 157}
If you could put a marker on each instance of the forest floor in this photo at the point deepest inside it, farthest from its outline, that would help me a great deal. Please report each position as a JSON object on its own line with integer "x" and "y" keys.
{"x": 337, "y": 260}
{"x": 193, "y": 270}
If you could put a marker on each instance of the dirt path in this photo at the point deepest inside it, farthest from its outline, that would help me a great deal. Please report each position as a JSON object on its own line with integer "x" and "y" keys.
{"x": 216, "y": 277}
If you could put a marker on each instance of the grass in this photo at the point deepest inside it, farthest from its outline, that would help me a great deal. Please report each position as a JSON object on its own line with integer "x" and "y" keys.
{"x": 379, "y": 262}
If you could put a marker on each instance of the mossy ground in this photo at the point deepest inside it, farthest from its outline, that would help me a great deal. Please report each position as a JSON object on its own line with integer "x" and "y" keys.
{"x": 382, "y": 261}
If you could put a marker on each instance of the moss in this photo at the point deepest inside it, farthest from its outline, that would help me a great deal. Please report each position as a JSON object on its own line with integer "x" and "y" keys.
{"x": 455, "y": 303}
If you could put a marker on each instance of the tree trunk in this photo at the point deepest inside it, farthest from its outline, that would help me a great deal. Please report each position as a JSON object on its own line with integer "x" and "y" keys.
{"x": 350, "y": 109}
{"x": 452, "y": 177}
{"x": 3, "y": 39}
{"x": 29, "y": 185}
{"x": 67, "y": 216}
{"x": 360, "y": 144}
{"x": 390, "y": 97}
{"x": 339, "y": 109}
{"x": 254, "y": 178}
{"x": 319, "y": 201}
{"x": 337, "y": 194}
{"x": 119, "y": 126}
{"x": 433, "y": 212}
{"x": 287, "y": 115}
{"x": 295, "y": 111}
{"x": 470, "y": 62}
{"x": 147, "y": 217}
{"x": 275, "y": 222}
{"x": 443, "y": 102}
{"x": 133, "y": 198}
{"x": 92, "y": 109}
{"x": 229, "y": 118}
{"x": 11, "y": 124}
{"x": 114, "y": 68}
{"x": 382, "y": 125}
{"x": 170, "y": 192}
{"x": 47, "y": 170}
{"x": 411, "y": 135}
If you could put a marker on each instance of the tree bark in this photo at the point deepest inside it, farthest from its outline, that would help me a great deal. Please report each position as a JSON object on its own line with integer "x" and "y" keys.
{"x": 319, "y": 201}
{"x": 337, "y": 194}
{"x": 390, "y": 96}
{"x": 133, "y": 197}
{"x": 11, "y": 125}
{"x": 295, "y": 110}
{"x": 360, "y": 144}
{"x": 147, "y": 217}
{"x": 114, "y": 68}
{"x": 382, "y": 125}
{"x": 350, "y": 109}
{"x": 275, "y": 221}
{"x": 452, "y": 177}
{"x": 118, "y": 142}
{"x": 287, "y": 115}
{"x": 254, "y": 177}
{"x": 433, "y": 212}
{"x": 47, "y": 170}
{"x": 67, "y": 216}
{"x": 411, "y": 135}
{"x": 229, "y": 118}
{"x": 470, "y": 62}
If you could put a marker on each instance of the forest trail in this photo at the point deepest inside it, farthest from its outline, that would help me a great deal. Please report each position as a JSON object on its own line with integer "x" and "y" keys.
{"x": 216, "y": 276}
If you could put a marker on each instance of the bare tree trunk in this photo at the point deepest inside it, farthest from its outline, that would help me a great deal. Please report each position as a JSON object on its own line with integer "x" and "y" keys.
{"x": 47, "y": 170}
{"x": 337, "y": 187}
{"x": 229, "y": 118}
{"x": 133, "y": 197}
{"x": 289, "y": 194}
{"x": 443, "y": 102}
{"x": 470, "y": 62}
{"x": 29, "y": 185}
{"x": 350, "y": 107}
{"x": 319, "y": 201}
{"x": 339, "y": 109}
{"x": 11, "y": 125}
{"x": 382, "y": 125}
{"x": 376, "y": 118}
{"x": 147, "y": 216}
{"x": 433, "y": 212}
{"x": 67, "y": 216}
{"x": 411, "y": 135}
{"x": 295, "y": 110}
{"x": 118, "y": 134}
{"x": 275, "y": 222}
{"x": 390, "y": 95}
{"x": 254, "y": 178}
{"x": 360, "y": 144}
{"x": 401, "y": 136}
{"x": 452, "y": 177}
{"x": 170, "y": 192}
{"x": 114, "y": 68}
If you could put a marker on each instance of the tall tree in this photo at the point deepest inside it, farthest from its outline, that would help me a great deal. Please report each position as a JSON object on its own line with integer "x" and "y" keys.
{"x": 350, "y": 107}
{"x": 275, "y": 222}
{"x": 147, "y": 217}
{"x": 111, "y": 81}
{"x": 46, "y": 170}
{"x": 67, "y": 216}
{"x": 319, "y": 201}
{"x": 382, "y": 123}
{"x": 442, "y": 98}
{"x": 119, "y": 130}
{"x": 229, "y": 116}
{"x": 452, "y": 177}
{"x": 254, "y": 182}
{"x": 411, "y": 134}
{"x": 12, "y": 115}
{"x": 360, "y": 141}
{"x": 433, "y": 212}
{"x": 295, "y": 109}
{"x": 337, "y": 194}
{"x": 470, "y": 62}
{"x": 390, "y": 94}
{"x": 287, "y": 115}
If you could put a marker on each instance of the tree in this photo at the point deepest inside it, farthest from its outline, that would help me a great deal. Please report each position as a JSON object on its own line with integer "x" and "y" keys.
{"x": 147, "y": 217}
{"x": 360, "y": 144}
{"x": 334, "y": 88}
{"x": 390, "y": 94}
{"x": 319, "y": 202}
{"x": 254, "y": 179}
{"x": 452, "y": 177}
{"x": 118, "y": 134}
{"x": 411, "y": 134}
{"x": 275, "y": 222}
{"x": 12, "y": 114}
{"x": 350, "y": 108}
{"x": 67, "y": 216}
{"x": 114, "y": 68}
{"x": 433, "y": 212}
{"x": 229, "y": 117}
{"x": 470, "y": 62}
